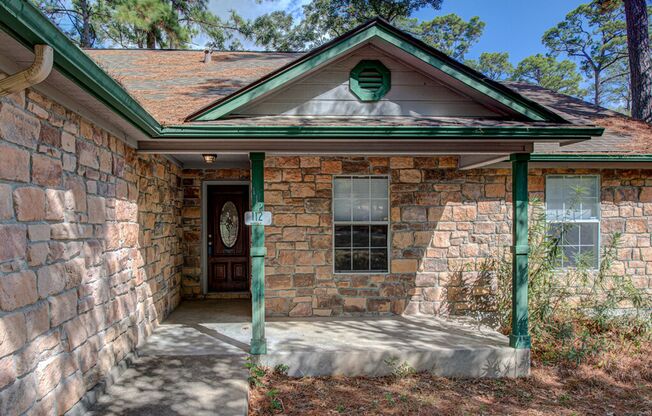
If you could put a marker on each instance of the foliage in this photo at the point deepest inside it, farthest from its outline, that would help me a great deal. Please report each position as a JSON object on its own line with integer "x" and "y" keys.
{"x": 256, "y": 372}
{"x": 548, "y": 72}
{"x": 449, "y": 33}
{"x": 399, "y": 369}
{"x": 494, "y": 65}
{"x": 576, "y": 312}
{"x": 85, "y": 18}
{"x": 595, "y": 35}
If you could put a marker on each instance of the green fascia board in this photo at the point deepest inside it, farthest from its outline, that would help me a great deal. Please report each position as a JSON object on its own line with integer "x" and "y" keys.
{"x": 471, "y": 78}
{"x": 29, "y": 26}
{"x": 536, "y": 157}
{"x": 378, "y": 132}
{"x": 23, "y": 21}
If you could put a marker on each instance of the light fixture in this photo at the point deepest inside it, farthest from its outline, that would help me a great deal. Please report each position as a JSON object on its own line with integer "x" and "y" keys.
{"x": 209, "y": 158}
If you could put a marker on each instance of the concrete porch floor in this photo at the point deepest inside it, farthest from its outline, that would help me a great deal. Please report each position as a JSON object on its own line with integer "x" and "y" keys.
{"x": 340, "y": 346}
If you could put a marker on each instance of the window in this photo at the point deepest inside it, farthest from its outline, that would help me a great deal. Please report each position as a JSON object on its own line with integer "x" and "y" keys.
{"x": 370, "y": 80}
{"x": 360, "y": 224}
{"x": 573, "y": 212}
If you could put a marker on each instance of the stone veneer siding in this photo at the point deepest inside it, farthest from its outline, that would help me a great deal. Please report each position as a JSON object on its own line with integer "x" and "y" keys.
{"x": 90, "y": 258}
{"x": 444, "y": 224}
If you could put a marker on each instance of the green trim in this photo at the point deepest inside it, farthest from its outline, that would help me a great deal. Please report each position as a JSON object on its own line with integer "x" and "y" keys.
{"x": 23, "y": 21}
{"x": 257, "y": 253}
{"x": 519, "y": 337}
{"x": 589, "y": 158}
{"x": 29, "y": 26}
{"x": 347, "y": 42}
{"x": 216, "y": 131}
{"x": 362, "y": 91}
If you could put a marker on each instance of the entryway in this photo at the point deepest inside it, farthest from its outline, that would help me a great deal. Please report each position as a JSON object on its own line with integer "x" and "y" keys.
{"x": 227, "y": 269}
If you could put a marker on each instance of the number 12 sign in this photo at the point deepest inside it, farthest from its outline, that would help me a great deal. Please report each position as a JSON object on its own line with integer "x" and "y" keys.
{"x": 258, "y": 218}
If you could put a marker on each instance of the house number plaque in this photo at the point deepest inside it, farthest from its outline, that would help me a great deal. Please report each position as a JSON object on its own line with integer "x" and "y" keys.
{"x": 258, "y": 218}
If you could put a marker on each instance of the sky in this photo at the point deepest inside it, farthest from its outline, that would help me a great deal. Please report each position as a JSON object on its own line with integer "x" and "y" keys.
{"x": 514, "y": 26}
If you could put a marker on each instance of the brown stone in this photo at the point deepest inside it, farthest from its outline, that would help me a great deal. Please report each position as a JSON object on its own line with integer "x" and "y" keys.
{"x": 14, "y": 163}
{"x": 18, "y": 398}
{"x": 37, "y": 320}
{"x": 87, "y": 154}
{"x": 378, "y": 305}
{"x": 6, "y": 205}
{"x": 301, "y": 309}
{"x": 401, "y": 162}
{"x": 46, "y": 171}
{"x": 14, "y": 241}
{"x": 404, "y": 265}
{"x": 13, "y": 333}
{"x": 29, "y": 203}
{"x": 63, "y": 307}
{"x": 77, "y": 186}
{"x": 18, "y": 126}
{"x": 331, "y": 166}
{"x": 96, "y": 209}
{"x": 17, "y": 290}
{"x": 410, "y": 175}
{"x": 414, "y": 214}
{"x": 495, "y": 190}
{"x": 50, "y": 135}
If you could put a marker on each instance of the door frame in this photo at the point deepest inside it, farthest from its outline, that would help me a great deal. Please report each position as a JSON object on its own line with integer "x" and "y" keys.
{"x": 204, "y": 222}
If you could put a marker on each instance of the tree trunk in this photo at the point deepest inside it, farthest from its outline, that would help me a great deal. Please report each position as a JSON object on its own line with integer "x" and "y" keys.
{"x": 85, "y": 38}
{"x": 151, "y": 39}
{"x": 640, "y": 67}
{"x": 596, "y": 87}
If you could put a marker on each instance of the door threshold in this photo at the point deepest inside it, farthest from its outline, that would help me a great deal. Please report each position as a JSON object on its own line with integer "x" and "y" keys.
{"x": 228, "y": 295}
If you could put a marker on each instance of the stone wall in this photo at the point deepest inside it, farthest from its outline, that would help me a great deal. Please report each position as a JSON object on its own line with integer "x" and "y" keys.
{"x": 444, "y": 224}
{"x": 89, "y": 253}
{"x": 191, "y": 180}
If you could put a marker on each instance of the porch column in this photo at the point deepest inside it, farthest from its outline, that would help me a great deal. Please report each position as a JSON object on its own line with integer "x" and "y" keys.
{"x": 519, "y": 337}
{"x": 258, "y": 251}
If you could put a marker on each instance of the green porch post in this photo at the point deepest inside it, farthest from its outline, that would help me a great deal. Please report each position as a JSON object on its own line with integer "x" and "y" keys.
{"x": 519, "y": 338}
{"x": 258, "y": 251}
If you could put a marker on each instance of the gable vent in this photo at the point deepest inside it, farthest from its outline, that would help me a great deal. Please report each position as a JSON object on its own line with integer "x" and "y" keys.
{"x": 369, "y": 80}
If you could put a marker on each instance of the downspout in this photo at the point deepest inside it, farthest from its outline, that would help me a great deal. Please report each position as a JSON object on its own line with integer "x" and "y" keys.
{"x": 37, "y": 72}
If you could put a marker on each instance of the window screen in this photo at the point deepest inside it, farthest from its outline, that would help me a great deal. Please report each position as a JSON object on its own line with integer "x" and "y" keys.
{"x": 573, "y": 214}
{"x": 361, "y": 224}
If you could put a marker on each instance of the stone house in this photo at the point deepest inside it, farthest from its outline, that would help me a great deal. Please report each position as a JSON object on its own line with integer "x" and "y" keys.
{"x": 387, "y": 168}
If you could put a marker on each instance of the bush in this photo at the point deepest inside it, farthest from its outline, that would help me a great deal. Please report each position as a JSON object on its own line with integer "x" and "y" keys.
{"x": 576, "y": 312}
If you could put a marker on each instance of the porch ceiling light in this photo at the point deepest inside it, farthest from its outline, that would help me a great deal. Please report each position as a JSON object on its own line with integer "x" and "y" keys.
{"x": 209, "y": 158}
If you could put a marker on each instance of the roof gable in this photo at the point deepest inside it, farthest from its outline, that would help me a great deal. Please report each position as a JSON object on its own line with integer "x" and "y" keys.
{"x": 376, "y": 30}
{"x": 327, "y": 92}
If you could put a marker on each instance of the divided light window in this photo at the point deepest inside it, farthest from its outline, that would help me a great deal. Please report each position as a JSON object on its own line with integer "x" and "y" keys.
{"x": 573, "y": 215}
{"x": 361, "y": 224}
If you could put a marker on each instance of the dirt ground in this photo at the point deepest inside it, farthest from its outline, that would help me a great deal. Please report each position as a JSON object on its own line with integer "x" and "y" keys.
{"x": 617, "y": 385}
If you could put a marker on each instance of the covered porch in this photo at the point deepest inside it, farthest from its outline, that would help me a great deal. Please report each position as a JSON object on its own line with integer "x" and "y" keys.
{"x": 319, "y": 346}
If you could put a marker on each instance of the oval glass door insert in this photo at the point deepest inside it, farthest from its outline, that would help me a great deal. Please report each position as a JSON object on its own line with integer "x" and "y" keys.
{"x": 229, "y": 224}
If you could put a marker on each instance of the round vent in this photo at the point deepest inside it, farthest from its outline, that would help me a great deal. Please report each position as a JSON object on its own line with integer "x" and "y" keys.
{"x": 370, "y": 80}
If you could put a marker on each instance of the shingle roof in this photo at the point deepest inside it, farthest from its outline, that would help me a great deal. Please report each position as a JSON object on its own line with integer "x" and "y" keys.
{"x": 170, "y": 84}
{"x": 622, "y": 134}
{"x": 173, "y": 84}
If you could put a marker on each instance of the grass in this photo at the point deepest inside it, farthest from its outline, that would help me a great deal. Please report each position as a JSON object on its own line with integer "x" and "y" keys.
{"x": 612, "y": 383}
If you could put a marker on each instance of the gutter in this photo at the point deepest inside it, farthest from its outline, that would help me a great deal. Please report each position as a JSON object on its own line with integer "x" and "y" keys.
{"x": 23, "y": 21}
{"x": 36, "y": 73}
{"x": 590, "y": 158}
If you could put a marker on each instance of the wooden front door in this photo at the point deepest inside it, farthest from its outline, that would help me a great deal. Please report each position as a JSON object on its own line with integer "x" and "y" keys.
{"x": 228, "y": 238}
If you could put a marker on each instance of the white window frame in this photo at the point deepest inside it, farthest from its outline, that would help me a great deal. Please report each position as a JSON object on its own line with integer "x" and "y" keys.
{"x": 596, "y": 220}
{"x": 369, "y": 223}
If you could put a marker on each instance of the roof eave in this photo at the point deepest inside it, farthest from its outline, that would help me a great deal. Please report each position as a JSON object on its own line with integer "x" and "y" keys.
{"x": 25, "y": 23}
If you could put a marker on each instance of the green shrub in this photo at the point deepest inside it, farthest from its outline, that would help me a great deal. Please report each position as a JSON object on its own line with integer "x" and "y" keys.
{"x": 575, "y": 312}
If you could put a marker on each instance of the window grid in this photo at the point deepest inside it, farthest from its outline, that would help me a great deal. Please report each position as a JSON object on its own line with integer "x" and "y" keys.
{"x": 359, "y": 225}
{"x": 587, "y": 230}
